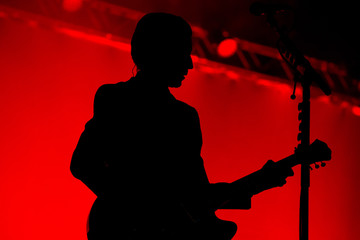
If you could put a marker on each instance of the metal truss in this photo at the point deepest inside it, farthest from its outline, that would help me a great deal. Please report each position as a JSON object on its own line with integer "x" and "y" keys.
{"x": 114, "y": 25}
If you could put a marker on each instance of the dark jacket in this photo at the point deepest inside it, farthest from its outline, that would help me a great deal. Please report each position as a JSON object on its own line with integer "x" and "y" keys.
{"x": 140, "y": 154}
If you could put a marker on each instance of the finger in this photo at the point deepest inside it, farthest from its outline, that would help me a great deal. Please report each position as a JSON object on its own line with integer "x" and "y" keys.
{"x": 286, "y": 172}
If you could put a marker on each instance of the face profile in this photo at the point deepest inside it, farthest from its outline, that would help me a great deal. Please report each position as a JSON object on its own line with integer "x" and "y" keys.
{"x": 176, "y": 68}
{"x": 161, "y": 48}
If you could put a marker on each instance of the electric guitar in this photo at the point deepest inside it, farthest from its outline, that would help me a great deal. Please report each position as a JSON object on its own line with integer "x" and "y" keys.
{"x": 208, "y": 226}
{"x": 212, "y": 228}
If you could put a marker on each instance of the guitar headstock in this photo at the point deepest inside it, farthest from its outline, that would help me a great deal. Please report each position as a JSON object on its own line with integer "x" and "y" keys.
{"x": 318, "y": 152}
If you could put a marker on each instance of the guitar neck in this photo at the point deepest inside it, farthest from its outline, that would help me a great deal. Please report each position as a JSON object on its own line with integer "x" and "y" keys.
{"x": 253, "y": 183}
{"x": 290, "y": 161}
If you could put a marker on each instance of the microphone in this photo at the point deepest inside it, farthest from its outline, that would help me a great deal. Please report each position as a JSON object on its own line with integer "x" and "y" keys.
{"x": 258, "y": 8}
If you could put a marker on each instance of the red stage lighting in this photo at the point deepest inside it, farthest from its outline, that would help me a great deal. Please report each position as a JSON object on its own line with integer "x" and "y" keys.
{"x": 227, "y": 48}
{"x": 356, "y": 110}
{"x": 72, "y": 5}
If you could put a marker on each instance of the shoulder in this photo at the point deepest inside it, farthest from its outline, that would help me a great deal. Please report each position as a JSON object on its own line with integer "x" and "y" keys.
{"x": 187, "y": 113}
{"x": 109, "y": 89}
{"x": 107, "y": 95}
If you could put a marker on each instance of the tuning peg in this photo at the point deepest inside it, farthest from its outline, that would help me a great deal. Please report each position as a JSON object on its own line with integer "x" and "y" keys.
{"x": 301, "y": 126}
{"x": 317, "y": 166}
{"x": 300, "y": 116}
{"x": 323, "y": 164}
{"x": 300, "y": 106}
{"x": 299, "y": 136}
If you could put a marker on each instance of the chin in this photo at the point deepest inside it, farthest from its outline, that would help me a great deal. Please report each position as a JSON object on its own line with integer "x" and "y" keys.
{"x": 176, "y": 82}
{"x": 175, "y": 85}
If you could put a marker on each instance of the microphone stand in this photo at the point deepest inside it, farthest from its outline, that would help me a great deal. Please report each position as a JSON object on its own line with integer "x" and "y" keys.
{"x": 305, "y": 74}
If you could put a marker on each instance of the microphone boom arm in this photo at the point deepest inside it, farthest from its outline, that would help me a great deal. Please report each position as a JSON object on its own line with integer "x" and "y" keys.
{"x": 306, "y": 74}
{"x": 295, "y": 59}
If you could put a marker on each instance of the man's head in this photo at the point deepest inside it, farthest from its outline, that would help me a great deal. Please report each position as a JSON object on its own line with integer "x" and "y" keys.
{"x": 161, "y": 46}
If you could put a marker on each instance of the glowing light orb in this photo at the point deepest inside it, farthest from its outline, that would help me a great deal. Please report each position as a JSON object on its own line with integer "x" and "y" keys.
{"x": 227, "y": 48}
{"x": 356, "y": 110}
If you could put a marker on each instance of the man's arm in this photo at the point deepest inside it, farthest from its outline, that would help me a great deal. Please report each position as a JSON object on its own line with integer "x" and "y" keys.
{"x": 238, "y": 194}
{"x": 88, "y": 160}
{"x": 274, "y": 174}
{"x": 86, "y": 164}
{"x": 216, "y": 194}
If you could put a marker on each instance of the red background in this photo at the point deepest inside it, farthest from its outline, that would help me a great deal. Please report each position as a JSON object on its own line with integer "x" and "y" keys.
{"x": 48, "y": 81}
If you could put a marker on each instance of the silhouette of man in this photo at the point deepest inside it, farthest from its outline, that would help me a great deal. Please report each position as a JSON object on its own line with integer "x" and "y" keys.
{"x": 140, "y": 153}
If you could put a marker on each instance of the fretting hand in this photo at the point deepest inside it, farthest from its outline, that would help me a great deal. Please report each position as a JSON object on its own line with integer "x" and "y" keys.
{"x": 273, "y": 174}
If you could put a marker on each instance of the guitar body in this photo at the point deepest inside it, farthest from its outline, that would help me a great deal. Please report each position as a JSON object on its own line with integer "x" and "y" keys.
{"x": 213, "y": 228}
{"x": 164, "y": 218}
{"x": 109, "y": 222}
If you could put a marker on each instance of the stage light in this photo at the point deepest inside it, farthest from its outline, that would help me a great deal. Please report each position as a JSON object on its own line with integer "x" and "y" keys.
{"x": 232, "y": 75}
{"x": 356, "y": 110}
{"x": 227, "y": 48}
{"x": 94, "y": 38}
{"x": 72, "y": 5}
{"x": 281, "y": 87}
